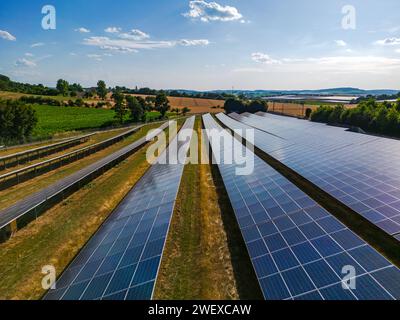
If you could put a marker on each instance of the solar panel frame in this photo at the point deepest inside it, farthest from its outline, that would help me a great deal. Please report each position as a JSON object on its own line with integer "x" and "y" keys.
{"x": 333, "y": 163}
{"x": 122, "y": 259}
{"x": 281, "y": 263}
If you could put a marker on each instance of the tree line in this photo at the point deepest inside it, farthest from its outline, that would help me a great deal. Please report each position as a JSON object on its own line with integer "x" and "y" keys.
{"x": 382, "y": 118}
{"x": 64, "y": 88}
{"x": 137, "y": 107}
{"x": 240, "y": 106}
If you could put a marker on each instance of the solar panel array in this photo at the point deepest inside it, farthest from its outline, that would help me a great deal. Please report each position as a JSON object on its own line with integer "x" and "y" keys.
{"x": 361, "y": 171}
{"x": 297, "y": 248}
{"x": 122, "y": 259}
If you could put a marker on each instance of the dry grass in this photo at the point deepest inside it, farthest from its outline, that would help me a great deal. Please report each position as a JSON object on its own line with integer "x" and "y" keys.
{"x": 295, "y": 109}
{"x": 195, "y": 105}
{"x": 204, "y": 251}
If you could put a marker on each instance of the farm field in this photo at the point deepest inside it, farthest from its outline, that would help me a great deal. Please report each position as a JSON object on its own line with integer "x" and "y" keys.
{"x": 296, "y": 109}
{"x": 53, "y": 120}
{"x": 195, "y": 105}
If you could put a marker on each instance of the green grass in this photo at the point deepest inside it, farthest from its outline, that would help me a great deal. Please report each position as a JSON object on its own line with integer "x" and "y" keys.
{"x": 54, "y": 120}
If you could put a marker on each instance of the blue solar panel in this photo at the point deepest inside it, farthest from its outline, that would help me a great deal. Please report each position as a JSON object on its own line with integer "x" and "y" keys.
{"x": 359, "y": 170}
{"x": 297, "y": 248}
{"x": 121, "y": 260}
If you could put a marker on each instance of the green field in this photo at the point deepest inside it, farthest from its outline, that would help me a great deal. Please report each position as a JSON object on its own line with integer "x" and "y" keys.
{"x": 54, "y": 120}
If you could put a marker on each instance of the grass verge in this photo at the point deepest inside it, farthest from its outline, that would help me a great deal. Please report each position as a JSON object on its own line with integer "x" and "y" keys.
{"x": 204, "y": 257}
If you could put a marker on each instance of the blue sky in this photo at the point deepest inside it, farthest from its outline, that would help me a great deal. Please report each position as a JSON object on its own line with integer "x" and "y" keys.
{"x": 204, "y": 45}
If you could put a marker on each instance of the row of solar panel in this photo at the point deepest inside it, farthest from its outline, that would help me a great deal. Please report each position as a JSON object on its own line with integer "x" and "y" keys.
{"x": 298, "y": 249}
{"x": 122, "y": 259}
{"x": 358, "y": 170}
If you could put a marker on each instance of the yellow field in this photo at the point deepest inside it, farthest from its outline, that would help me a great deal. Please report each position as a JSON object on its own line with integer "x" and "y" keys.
{"x": 195, "y": 105}
{"x": 295, "y": 109}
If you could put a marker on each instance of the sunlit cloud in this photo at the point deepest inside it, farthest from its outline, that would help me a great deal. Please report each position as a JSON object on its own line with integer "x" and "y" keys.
{"x": 340, "y": 43}
{"x": 7, "y": 36}
{"x": 112, "y": 30}
{"x": 82, "y": 30}
{"x": 264, "y": 58}
{"x": 38, "y": 44}
{"x": 388, "y": 42}
{"x": 212, "y": 11}
{"x": 23, "y": 62}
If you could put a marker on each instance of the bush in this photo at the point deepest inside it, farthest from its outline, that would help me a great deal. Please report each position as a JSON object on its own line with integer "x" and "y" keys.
{"x": 17, "y": 121}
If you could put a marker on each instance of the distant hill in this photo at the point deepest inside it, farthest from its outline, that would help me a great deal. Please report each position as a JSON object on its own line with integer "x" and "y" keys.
{"x": 333, "y": 91}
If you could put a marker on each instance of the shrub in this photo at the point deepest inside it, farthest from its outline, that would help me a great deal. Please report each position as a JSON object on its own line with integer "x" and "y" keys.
{"x": 368, "y": 115}
{"x": 17, "y": 121}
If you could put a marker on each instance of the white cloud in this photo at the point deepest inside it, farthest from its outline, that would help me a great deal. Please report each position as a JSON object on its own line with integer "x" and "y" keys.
{"x": 7, "y": 36}
{"x": 212, "y": 11}
{"x": 73, "y": 54}
{"x": 388, "y": 42}
{"x": 113, "y": 30}
{"x": 263, "y": 58}
{"x": 28, "y": 54}
{"x": 96, "y": 57}
{"x": 397, "y": 50}
{"x": 38, "y": 44}
{"x": 340, "y": 43}
{"x": 331, "y": 64}
{"x": 118, "y": 49}
{"x": 82, "y": 30}
{"x": 125, "y": 44}
{"x": 134, "y": 34}
{"x": 25, "y": 63}
{"x": 188, "y": 43}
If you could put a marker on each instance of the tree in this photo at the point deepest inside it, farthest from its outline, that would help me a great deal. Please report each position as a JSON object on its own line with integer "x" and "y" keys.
{"x": 308, "y": 113}
{"x": 62, "y": 87}
{"x": 135, "y": 108}
{"x": 161, "y": 104}
{"x": 234, "y": 105}
{"x": 397, "y": 105}
{"x": 119, "y": 106}
{"x": 257, "y": 106}
{"x": 17, "y": 121}
{"x": 150, "y": 103}
{"x": 101, "y": 89}
{"x": 185, "y": 110}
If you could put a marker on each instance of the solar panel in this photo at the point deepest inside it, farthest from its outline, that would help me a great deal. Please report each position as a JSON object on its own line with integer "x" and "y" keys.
{"x": 121, "y": 260}
{"x": 359, "y": 170}
{"x": 297, "y": 248}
